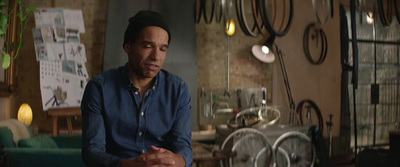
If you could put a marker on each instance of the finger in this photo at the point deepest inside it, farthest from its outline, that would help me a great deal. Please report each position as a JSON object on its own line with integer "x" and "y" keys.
{"x": 160, "y": 162}
{"x": 156, "y": 149}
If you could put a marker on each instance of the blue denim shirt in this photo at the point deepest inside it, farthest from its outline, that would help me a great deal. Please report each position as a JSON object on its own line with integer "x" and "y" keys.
{"x": 117, "y": 124}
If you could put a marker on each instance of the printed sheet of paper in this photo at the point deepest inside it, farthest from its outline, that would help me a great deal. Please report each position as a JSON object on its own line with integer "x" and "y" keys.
{"x": 60, "y": 87}
{"x": 49, "y": 17}
{"x": 74, "y": 20}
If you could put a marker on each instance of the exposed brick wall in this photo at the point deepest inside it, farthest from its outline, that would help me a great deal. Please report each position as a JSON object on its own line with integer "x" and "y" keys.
{"x": 28, "y": 88}
{"x": 245, "y": 71}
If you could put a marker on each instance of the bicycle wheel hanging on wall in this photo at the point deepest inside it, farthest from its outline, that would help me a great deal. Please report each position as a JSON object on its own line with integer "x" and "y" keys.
{"x": 198, "y": 10}
{"x": 279, "y": 9}
{"x": 322, "y": 9}
{"x": 244, "y": 9}
{"x": 247, "y": 143}
{"x": 258, "y": 18}
{"x": 218, "y": 10}
{"x": 227, "y": 10}
{"x": 397, "y": 9}
{"x": 316, "y": 39}
{"x": 208, "y": 10}
{"x": 385, "y": 11}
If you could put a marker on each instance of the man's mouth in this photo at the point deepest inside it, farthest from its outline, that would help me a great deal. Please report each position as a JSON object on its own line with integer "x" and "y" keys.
{"x": 152, "y": 66}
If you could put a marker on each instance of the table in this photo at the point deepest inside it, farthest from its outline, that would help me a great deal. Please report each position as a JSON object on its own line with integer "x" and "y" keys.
{"x": 213, "y": 157}
{"x": 67, "y": 113}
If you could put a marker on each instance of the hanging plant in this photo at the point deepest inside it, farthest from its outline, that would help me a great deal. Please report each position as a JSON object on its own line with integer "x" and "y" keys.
{"x": 6, "y": 14}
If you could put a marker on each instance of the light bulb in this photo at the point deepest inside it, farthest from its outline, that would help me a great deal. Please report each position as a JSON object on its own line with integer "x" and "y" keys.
{"x": 230, "y": 27}
{"x": 265, "y": 49}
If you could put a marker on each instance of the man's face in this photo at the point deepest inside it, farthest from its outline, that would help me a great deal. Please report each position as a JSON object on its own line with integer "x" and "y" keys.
{"x": 147, "y": 53}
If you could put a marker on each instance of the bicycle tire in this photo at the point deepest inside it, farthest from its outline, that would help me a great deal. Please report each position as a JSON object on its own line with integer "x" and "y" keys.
{"x": 316, "y": 109}
{"x": 240, "y": 10}
{"x": 238, "y": 14}
{"x": 247, "y": 132}
{"x": 275, "y": 161}
{"x": 397, "y": 10}
{"x": 269, "y": 25}
{"x": 258, "y": 19}
{"x": 206, "y": 19}
{"x": 324, "y": 42}
{"x": 218, "y": 11}
{"x": 198, "y": 9}
{"x": 385, "y": 15}
{"x": 294, "y": 151}
{"x": 322, "y": 19}
{"x": 227, "y": 10}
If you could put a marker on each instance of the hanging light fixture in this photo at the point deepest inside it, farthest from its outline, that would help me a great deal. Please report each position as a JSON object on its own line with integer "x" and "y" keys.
{"x": 230, "y": 27}
{"x": 265, "y": 53}
{"x": 25, "y": 114}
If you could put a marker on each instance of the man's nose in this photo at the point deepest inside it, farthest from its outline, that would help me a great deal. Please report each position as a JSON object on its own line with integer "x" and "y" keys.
{"x": 156, "y": 54}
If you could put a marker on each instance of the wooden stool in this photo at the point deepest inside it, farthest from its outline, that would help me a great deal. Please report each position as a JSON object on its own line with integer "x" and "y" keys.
{"x": 68, "y": 113}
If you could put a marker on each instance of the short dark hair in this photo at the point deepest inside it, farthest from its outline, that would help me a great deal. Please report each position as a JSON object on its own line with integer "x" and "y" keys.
{"x": 141, "y": 20}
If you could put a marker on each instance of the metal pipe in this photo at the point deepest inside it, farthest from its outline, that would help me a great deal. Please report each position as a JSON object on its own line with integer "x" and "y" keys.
{"x": 227, "y": 69}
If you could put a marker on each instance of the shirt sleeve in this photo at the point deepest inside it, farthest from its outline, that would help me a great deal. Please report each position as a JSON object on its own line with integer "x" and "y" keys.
{"x": 93, "y": 131}
{"x": 180, "y": 136}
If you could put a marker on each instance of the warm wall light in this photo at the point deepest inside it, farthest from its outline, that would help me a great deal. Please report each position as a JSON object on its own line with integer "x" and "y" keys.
{"x": 265, "y": 52}
{"x": 25, "y": 114}
{"x": 370, "y": 18}
{"x": 230, "y": 27}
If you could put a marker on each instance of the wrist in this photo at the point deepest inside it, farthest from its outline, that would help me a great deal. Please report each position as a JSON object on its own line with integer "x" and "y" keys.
{"x": 123, "y": 163}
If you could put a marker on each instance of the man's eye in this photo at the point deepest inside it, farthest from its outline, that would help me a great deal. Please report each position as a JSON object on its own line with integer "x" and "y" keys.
{"x": 147, "y": 46}
{"x": 163, "y": 48}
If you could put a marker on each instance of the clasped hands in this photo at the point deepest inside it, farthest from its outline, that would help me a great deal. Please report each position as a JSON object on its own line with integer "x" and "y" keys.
{"x": 158, "y": 157}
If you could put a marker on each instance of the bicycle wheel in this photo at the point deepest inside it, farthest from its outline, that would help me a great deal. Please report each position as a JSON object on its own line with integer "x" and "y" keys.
{"x": 310, "y": 114}
{"x": 298, "y": 147}
{"x": 254, "y": 117}
{"x": 385, "y": 12}
{"x": 227, "y": 10}
{"x": 247, "y": 143}
{"x": 322, "y": 9}
{"x": 208, "y": 10}
{"x": 397, "y": 9}
{"x": 244, "y": 20}
{"x": 314, "y": 35}
{"x": 218, "y": 10}
{"x": 282, "y": 159}
{"x": 269, "y": 10}
{"x": 198, "y": 10}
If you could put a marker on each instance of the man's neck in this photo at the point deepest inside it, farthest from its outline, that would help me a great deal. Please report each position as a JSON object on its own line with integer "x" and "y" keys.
{"x": 143, "y": 84}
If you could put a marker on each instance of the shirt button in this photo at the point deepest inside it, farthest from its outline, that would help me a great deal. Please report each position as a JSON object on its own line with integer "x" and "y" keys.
{"x": 143, "y": 151}
{"x": 140, "y": 133}
{"x": 136, "y": 92}
{"x": 142, "y": 113}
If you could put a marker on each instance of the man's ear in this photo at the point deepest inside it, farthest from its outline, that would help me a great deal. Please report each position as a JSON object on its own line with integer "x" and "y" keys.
{"x": 127, "y": 47}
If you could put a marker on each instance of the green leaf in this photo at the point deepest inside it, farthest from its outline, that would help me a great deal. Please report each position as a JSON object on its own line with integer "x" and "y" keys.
{"x": 2, "y": 32}
{"x": 3, "y": 4}
{"x": 3, "y": 19}
{"x": 5, "y": 62}
{"x": 31, "y": 9}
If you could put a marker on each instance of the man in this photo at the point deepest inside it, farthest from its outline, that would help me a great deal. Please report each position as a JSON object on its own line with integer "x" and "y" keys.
{"x": 138, "y": 114}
